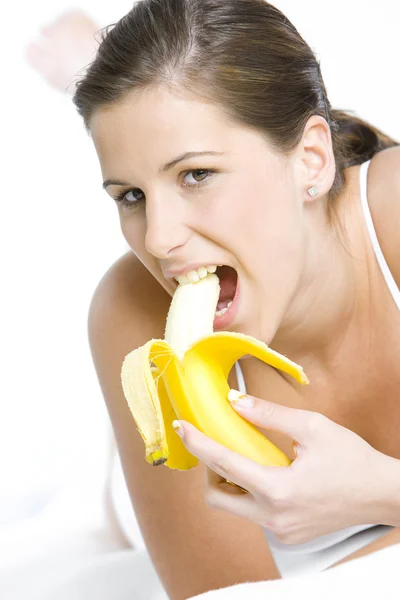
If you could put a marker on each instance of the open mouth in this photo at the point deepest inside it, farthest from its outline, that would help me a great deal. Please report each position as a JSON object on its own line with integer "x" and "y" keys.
{"x": 227, "y": 280}
{"x": 228, "y": 297}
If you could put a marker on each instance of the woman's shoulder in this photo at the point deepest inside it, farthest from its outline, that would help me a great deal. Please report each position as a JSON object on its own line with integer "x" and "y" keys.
{"x": 128, "y": 308}
{"x": 194, "y": 547}
{"x": 384, "y": 203}
{"x": 128, "y": 291}
{"x": 128, "y": 275}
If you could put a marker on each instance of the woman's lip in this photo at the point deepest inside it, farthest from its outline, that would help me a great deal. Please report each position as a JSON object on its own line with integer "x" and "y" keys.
{"x": 224, "y": 320}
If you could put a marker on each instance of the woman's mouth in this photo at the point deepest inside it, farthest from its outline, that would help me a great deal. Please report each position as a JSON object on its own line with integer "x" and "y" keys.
{"x": 228, "y": 299}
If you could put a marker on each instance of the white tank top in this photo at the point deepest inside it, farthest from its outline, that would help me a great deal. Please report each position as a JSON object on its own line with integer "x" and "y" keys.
{"x": 394, "y": 290}
{"x": 331, "y": 539}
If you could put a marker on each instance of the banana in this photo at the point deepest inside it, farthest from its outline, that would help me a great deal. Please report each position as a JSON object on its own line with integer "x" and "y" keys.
{"x": 184, "y": 376}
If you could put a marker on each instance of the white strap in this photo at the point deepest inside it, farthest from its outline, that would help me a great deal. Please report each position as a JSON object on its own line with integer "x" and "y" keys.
{"x": 240, "y": 378}
{"x": 392, "y": 285}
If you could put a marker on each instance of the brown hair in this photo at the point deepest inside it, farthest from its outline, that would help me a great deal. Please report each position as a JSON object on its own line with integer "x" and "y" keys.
{"x": 243, "y": 55}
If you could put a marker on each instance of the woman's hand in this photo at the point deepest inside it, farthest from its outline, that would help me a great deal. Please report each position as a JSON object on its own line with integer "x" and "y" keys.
{"x": 333, "y": 482}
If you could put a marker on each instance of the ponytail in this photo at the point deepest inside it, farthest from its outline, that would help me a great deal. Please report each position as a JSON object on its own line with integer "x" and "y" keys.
{"x": 359, "y": 140}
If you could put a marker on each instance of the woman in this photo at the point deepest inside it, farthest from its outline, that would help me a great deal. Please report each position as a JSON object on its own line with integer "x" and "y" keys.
{"x": 219, "y": 145}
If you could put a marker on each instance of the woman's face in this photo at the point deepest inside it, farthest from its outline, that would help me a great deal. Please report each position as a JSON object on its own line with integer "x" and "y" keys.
{"x": 237, "y": 203}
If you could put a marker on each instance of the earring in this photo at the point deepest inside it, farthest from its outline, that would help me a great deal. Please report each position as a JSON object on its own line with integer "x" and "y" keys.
{"x": 313, "y": 191}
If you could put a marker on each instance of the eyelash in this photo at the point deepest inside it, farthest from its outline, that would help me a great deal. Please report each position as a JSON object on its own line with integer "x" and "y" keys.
{"x": 120, "y": 198}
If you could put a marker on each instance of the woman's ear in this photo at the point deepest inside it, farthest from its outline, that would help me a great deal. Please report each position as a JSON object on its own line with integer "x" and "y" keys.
{"x": 316, "y": 154}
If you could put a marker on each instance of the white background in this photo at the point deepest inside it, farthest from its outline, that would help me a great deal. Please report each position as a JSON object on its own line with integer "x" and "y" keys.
{"x": 60, "y": 232}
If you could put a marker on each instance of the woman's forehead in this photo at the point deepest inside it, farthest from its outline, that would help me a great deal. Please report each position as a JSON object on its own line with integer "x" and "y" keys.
{"x": 159, "y": 125}
{"x": 159, "y": 110}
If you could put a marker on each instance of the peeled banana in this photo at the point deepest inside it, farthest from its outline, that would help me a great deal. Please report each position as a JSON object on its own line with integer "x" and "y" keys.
{"x": 184, "y": 376}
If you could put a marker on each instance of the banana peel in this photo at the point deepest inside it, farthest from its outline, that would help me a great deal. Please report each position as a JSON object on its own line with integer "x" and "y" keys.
{"x": 195, "y": 388}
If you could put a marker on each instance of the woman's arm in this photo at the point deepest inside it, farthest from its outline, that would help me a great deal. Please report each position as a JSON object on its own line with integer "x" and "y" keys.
{"x": 194, "y": 548}
{"x": 384, "y": 200}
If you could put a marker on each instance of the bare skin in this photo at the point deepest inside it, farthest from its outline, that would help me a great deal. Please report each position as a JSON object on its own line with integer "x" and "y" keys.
{"x": 331, "y": 313}
{"x": 194, "y": 548}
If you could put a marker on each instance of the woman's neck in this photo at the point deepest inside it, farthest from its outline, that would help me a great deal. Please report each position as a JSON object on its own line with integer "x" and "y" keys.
{"x": 332, "y": 291}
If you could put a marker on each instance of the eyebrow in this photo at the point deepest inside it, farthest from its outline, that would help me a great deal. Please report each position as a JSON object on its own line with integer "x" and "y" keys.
{"x": 168, "y": 165}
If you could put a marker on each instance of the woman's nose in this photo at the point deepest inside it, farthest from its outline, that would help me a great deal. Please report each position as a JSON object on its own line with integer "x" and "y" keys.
{"x": 165, "y": 227}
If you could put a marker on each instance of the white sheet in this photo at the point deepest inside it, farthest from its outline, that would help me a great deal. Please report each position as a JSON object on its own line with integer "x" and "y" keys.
{"x": 289, "y": 563}
{"x": 86, "y": 566}
{"x": 65, "y": 551}
{"x": 371, "y": 577}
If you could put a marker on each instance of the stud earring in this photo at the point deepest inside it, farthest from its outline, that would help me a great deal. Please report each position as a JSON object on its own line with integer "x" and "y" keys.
{"x": 313, "y": 191}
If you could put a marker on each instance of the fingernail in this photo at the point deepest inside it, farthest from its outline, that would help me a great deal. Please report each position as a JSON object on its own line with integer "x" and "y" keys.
{"x": 241, "y": 400}
{"x": 178, "y": 428}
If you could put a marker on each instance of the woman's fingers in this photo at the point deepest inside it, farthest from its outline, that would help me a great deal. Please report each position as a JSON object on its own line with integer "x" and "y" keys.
{"x": 216, "y": 482}
{"x": 304, "y": 426}
{"x": 224, "y": 496}
{"x": 239, "y": 504}
{"x": 227, "y": 464}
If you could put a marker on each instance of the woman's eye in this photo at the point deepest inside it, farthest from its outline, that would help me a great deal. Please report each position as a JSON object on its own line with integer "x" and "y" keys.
{"x": 133, "y": 198}
{"x": 197, "y": 176}
{"x": 130, "y": 198}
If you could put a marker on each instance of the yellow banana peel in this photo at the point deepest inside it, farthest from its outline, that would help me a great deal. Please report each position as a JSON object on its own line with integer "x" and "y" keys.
{"x": 185, "y": 376}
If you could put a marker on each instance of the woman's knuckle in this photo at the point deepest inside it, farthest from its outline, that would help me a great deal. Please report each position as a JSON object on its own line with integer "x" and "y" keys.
{"x": 280, "y": 528}
{"x": 268, "y": 409}
{"x": 221, "y": 466}
{"x": 266, "y": 524}
{"x": 287, "y": 530}
{"x": 290, "y": 538}
{"x": 285, "y": 538}
{"x": 280, "y": 495}
{"x": 314, "y": 423}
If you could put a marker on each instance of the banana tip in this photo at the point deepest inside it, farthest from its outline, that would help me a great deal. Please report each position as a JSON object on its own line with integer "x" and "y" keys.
{"x": 159, "y": 461}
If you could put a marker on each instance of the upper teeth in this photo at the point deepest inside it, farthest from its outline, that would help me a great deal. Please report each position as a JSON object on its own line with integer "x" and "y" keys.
{"x": 196, "y": 275}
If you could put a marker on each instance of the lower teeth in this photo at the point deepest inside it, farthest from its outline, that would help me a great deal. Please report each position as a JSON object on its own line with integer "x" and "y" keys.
{"x": 221, "y": 312}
